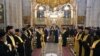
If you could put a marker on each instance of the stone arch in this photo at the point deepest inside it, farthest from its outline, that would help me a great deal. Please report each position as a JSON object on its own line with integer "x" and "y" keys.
{"x": 71, "y": 7}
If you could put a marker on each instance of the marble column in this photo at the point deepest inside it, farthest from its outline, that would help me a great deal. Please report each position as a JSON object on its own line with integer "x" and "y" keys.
{"x": 26, "y": 11}
{"x": 81, "y": 5}
{"x": 2, "y": 23}
{"x": 99, "y": 18}
{"x": 1, "y": 1}
{"x": 19, "y": 13}
{"x": 93, "y": 13}
{"x": 14, "y": 13}
{"x": 33, "y": 11}
{"x": 88, "y": 13}
{"x": 97, "y": 13}
{"x": 81, "y": 11}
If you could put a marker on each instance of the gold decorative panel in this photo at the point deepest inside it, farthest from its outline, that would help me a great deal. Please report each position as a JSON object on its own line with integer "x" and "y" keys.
{"x": 81, "y": 19}
{"x": 52, "y": 3}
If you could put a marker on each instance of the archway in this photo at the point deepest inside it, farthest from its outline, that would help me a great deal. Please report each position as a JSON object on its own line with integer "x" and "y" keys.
{"x": 62, "y": 13}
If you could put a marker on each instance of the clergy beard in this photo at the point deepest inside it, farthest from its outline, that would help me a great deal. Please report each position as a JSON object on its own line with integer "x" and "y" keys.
{"x": 19, "y": 34}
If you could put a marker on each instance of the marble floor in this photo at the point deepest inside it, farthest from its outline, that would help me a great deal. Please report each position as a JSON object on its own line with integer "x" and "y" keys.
{"x": 52, "y": 49}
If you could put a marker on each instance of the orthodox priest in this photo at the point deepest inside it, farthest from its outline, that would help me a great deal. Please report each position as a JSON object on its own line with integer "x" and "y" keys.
{"x": 77, "y": 43}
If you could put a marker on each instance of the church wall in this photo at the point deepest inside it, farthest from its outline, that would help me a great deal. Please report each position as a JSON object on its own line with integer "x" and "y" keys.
{"x": 26, "y": 9}
{"x": 1, "y": 1}
{"x": 93, "y": 13}
{"x": 81, "y": 11}
{"x": 2, "y": 18}
{"x": 81, "y": 7}
{"x": 14, "y": 13}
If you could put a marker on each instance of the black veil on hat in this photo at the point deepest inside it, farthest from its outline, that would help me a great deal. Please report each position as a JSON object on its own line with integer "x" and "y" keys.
{"x": 87, "y": 28}
{"x": 80, "y": 27}
{"x": 2, "y": 33}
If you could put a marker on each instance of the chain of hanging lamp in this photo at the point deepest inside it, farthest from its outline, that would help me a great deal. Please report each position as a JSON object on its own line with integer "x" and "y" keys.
{"x": 52, "y": 3}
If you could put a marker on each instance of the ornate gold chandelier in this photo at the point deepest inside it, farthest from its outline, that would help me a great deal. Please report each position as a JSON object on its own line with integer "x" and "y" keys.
{"x": 52, "y": 3}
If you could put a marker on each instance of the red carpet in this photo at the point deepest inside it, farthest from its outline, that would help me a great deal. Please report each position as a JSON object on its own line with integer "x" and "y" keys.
{"x": 36, "y": 52}
{"x": 66, "y": 51}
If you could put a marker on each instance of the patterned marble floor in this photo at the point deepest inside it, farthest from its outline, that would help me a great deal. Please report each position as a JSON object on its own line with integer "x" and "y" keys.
{"x": 51, "y": 49}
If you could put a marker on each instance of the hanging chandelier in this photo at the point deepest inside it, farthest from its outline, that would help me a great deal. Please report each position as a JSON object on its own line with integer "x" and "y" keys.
{"x": 52, "y": 3}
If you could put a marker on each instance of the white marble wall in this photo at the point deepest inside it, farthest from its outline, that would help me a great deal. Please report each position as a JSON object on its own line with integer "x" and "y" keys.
{"x": 90, "y": 9}
{"x": 88, "y": 13}
{"x": 14, "y": 13}
{"x": 81, "y": 9}
{"x": 3, "y": 25}
{"x": 97, "y": 12}
{"x": 26, "y": 7}
{"x": 1, "y": 1}
{"x": 81, "y": 5}
{"x": 93, "y": 13}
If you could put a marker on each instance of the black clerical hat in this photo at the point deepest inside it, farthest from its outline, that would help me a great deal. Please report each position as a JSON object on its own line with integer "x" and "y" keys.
{"x": 87, "y": 28}
{"x": 38, "y": 27}
{"x": 98, "y": 27}
{"x": 8, "y": 28}
{"x": 23, "y": 29}
{"x": 2, "y": 33}
{"x": 16, "y": 30}
{"x": 80, "y": 27}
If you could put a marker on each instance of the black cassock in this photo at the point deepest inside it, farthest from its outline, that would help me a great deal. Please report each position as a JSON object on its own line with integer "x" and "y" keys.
{"x": 4, "y": 49}
{"x": 86, "y": 45}
{"x": 27, "y": 37}
{"x": 9, "y": 41}
{"x": 72, "y": 32}
{"x": 80, "y": 43}
{"x": 64, "y": 37}
{"x": 24, "y": 36}
{"x": 20, "y": 45}
{"x": 38, "y": 41}
{"x": 51, "y": 39}
{"x": 96, "y": 50}
{"x": 56, "y": 35}
{"x": 46, "y": 33}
